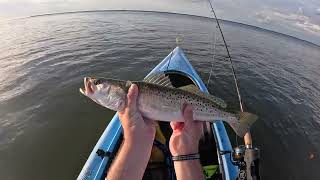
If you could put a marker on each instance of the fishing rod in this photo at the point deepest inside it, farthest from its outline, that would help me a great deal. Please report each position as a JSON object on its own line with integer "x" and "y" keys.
{"x": 247, "y": 157}
{"x": 247, "y": 137}
{"x": 229, "y": 56}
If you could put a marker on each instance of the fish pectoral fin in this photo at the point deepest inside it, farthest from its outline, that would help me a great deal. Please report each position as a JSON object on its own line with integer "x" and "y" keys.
{"x": 159, "y": 78}
{"x": 195, "y": 90}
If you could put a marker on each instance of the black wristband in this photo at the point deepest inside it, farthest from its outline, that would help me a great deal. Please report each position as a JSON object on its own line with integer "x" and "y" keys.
{"x": 186, "y": 157}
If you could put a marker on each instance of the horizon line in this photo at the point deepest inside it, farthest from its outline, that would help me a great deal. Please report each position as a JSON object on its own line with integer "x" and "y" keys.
{"x": 172, "y": 13}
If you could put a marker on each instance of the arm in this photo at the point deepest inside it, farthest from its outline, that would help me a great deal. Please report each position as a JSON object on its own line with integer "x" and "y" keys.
{"x": 135, "y": 151}
{"x": 185, "y": 140}
{"x": 188, "y": 170}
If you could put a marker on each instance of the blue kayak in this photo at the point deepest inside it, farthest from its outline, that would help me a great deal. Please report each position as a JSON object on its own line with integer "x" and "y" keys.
{"x": 212, "y": 151}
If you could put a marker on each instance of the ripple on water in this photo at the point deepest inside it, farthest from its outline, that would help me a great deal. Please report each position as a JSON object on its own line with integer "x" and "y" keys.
{"x": 13, "y": 123}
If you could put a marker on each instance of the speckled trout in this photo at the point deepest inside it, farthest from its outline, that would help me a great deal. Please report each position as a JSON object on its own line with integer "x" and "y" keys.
{"x": 164, "y": 102}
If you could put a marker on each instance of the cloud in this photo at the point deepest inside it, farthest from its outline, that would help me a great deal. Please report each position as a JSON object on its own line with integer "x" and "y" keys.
{"x": 263, "y": 18}
{"x": 291, "y": 17}
{"x": 298, "y": 20}
{"x": 318, "y": 11}
{"x": 313, "y": 28}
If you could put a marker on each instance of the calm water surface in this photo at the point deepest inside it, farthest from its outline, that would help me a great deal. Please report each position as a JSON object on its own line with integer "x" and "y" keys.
{"x": 47, "y": 129}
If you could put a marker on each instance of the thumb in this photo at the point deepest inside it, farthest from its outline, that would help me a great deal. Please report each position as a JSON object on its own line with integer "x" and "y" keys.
{"x": 132, "y": 97}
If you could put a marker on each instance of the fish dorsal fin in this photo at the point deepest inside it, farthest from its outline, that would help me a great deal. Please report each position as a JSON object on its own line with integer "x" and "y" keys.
{"x": 193, "y": 89}
{"x": 159, "y": 78}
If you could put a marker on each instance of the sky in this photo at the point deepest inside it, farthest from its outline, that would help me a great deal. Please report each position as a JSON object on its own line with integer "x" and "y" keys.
{"x": 299, "y": 18}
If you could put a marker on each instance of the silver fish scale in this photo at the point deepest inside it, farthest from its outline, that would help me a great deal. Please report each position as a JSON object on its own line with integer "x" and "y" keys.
{"x": 165, "y": 97}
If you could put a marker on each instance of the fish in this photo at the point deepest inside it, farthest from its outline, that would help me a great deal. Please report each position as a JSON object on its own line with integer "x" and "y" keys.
{"x": 158, "y": 99}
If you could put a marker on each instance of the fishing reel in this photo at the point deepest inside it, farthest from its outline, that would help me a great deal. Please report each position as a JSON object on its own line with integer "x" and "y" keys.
{"x": 247, "y": 159}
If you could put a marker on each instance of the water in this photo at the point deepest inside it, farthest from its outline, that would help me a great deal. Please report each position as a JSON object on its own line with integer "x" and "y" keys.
{"x": 48, "y": 129}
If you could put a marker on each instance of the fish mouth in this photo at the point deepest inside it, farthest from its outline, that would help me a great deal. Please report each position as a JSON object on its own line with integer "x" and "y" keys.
{"x": 88, "y": 86}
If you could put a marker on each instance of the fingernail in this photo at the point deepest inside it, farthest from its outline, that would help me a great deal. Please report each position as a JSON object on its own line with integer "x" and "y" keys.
{"x": 131, "y": 86}
{"x": 132, "y": 89}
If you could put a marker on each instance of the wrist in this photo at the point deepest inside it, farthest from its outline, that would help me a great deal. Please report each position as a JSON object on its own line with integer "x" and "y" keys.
{"x": 191, "y": 169}
{"x": 137, "y": 143}
{"x": 184, "y": 151}
{"x": 138, "y": 137}
{"x": 186, "y": 157}
{"x": 180, "y": 153}
{"x": 186, "y": 163}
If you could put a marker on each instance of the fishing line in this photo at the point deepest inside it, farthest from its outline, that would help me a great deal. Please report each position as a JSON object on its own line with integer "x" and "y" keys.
{"x": 213, "y": 56}
{"x": 236, "y": 82}
{"x": 178, "y": 41}
{"x": 229, "y": 57}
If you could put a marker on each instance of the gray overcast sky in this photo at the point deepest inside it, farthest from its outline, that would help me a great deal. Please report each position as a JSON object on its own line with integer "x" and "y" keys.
{"x": 300, "y": 18}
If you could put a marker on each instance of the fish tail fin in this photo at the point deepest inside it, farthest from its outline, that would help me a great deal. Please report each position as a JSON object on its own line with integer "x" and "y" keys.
{"x": 245, "y": 120}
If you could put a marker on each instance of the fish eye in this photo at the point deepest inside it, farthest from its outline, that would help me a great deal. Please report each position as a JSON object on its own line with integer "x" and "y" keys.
{"x": 97, "y": 82}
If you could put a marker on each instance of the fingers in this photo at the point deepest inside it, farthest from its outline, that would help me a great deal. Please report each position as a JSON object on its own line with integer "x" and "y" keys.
{"x": 188, "y": 117}
{"x": 177, "y": 126}
{"x": 131, "y": 100}
{"x": 187, "y": 113}
{"x": 172, "y": 124}
{"x": 132, "y": 95}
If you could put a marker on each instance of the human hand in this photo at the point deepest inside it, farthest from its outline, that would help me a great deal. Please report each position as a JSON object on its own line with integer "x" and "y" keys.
{"x": 135, "y": 128}
{"x": 138, "y": 132}
{"x": 186, "y": 135}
